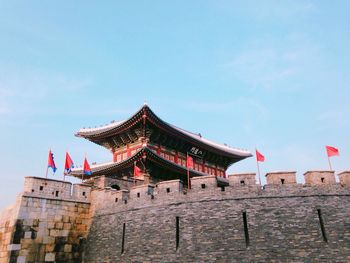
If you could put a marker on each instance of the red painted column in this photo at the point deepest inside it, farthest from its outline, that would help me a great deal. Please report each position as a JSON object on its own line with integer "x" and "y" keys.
{"x": 176, "y": 158}
{"x": 128, "y": 152}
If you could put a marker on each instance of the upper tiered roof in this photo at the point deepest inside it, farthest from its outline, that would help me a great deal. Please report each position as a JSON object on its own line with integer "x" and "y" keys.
{"x": 145, "y": 114}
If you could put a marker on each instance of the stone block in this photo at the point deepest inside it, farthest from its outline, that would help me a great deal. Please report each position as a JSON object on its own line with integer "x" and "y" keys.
{"x": 13, "y": 247}
{"x": 48, "y": 240}
{"x": 59, "y": 225}
{"x": 28, "y": 234}
{"x": 50, "y": 247}
{"x": 54, "y": 232}
{"x": 21, "y": 259}
{"x": 67, "y": 226}
{"x": 63, "y": 233}
{"x": 67, "y": 248}
{"x": 65, "y": 219}
{"x": 50, "y": 257}
{"x": 81, "y": 227}
{"x": 58, "y": 218}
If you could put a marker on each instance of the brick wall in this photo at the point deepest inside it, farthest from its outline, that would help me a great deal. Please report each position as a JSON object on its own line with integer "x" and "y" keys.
{"x": 283, "y": 225}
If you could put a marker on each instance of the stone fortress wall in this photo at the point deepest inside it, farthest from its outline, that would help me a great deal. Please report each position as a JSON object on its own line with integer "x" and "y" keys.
{"x": 48, "y": 223}
{"x": 216, "y": 221}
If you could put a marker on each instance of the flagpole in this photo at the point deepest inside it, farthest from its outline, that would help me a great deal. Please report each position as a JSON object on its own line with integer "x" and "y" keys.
{"x": 257, "y": 164}
{"x": 64, "y": 169}
{"x": 329, "y": 162}
{"x": 82, "y": 176}
{"x": 47, "y": 166}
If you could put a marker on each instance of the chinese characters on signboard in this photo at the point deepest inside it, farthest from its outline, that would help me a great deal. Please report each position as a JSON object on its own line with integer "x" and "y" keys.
{"x": 196, "y": 151}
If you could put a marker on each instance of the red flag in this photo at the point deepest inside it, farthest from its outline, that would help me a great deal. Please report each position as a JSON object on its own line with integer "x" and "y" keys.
{"x": 68, "y": 163}
{"x": 137, "y": 171}
{"x": 51, "y": 162}
{"x": 332, "y": 151}
{"x": 259, "y": 156}
{"x": 189, "y": 163}
{"x": 87, "y": 169}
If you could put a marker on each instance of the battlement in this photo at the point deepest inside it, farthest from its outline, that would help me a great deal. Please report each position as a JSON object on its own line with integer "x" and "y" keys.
{"x": 319, "y": 177}
{"x": 242, "y": 179}
{"x": 239, "y": 186}
{"x": 277, "y": 178}
{"x": 344, "y": 178}
{"x": 61, "y": 190}
{"x": 60, "y": 215}
{"x": 55, "y": 189}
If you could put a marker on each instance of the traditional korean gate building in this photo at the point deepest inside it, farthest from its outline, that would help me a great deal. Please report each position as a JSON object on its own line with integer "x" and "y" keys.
{"x": 158, "y": 148}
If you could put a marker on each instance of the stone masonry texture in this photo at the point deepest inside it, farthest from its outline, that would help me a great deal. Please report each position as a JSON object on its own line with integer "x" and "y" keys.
{"x": 285, "y": 223}
{"x": 283, "y": 226}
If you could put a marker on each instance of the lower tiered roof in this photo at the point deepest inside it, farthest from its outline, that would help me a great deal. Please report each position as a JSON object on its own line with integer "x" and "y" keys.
{"x": 144, "y": 153}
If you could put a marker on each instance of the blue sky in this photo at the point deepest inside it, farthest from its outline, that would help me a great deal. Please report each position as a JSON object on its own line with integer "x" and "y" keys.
{"x": 268, "y": 74}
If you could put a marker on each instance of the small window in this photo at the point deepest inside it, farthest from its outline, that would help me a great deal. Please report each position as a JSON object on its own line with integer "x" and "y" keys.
{"x": 152, "y": 196}
{"x": 168, "y": 190}
{"x": 322, "y": 179}
{"x": 242, "y": 182}
{"x": 32, "y": 190}
{"x": 116, "y": 200}
{"x": 282, "y": 181}
{"x": 41, "y": 188}
{"x": 125, "y": 201}
{"x": 203, "y": 186}
{"x": 138, "y": 194}
{"x": 222, "y": 188}
{"x": 83, "y": 193}
{"x": 57, "y": 193}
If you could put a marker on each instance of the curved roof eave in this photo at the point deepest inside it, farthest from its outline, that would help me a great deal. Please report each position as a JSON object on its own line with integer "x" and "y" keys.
{"x": 110, "y": 166}
{"x": 92, "y": 133}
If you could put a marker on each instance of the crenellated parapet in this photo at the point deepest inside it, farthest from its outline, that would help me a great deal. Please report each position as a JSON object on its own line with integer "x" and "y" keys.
{"x": 242, "y": 179}
{"x": 236, "y": 186}
{"x": 56, "y": 189}
{"x": 319, "y": 177}
{"x": 281, "y": 178}
{"x": 344, "y": 178}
